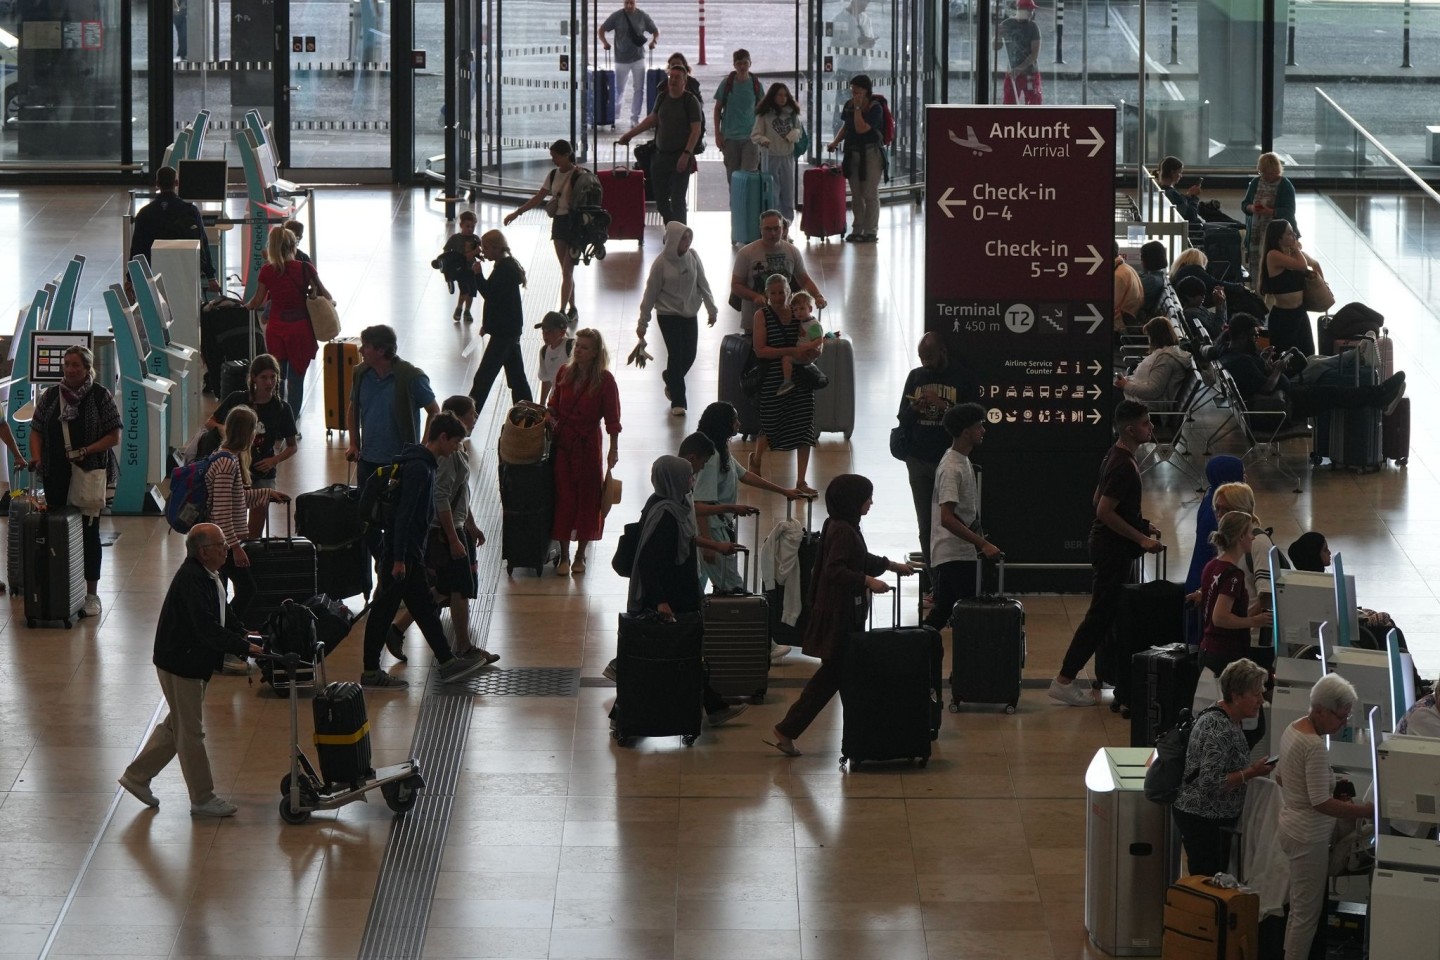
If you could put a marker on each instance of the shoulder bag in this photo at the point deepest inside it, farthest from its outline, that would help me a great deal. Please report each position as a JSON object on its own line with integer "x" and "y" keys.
{"x": 1318, "y": 297}
{"x": 87, "y": 487}
{"x": 324, "y": 318}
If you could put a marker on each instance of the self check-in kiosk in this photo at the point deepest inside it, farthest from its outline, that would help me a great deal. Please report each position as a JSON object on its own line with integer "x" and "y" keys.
{"x": 1404, "y": 919}
{"x": 167, "y": 359}
{"x": 142, "y": 400}
{"x": 20, "y": 392}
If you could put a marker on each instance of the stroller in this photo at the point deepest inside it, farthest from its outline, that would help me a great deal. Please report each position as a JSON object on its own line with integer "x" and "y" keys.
{"x": 590, "y": 228}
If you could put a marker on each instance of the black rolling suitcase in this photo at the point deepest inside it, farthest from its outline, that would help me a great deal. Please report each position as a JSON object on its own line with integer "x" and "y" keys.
{"x": 1163, "y": 682}
{"x": 224, "y": 326}
{"x": 284, "y": 568}
{"x": 808, "y": 553}
{"x": 736, "y": 644}
{"x": 987, "y": 646}
{"x": 736, "y": 354}
{"x": 234, "y": 377}
{"x": 1150, "y": 614}
{"x": 342, "y": 735}
{"x": 660, "y": 678}
{"x": 890, "y": 695}
{"x": 53, "y": 554}
{"x": 330, "y": 519}
{"x": 527, "y": 504}
{"x": 22, "y": 501}
{"x": 1222, "y": 245}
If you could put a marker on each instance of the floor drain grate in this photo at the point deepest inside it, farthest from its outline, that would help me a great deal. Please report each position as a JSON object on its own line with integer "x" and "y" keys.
{"x": 521, "y": 682}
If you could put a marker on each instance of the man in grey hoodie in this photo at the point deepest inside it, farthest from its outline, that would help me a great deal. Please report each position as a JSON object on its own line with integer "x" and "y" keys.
{"x": 676, "y": 289}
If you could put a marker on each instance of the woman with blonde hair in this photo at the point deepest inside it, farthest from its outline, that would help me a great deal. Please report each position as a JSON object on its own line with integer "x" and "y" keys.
{"x": 1256, "y": 562}
{"x": 1270, "y": 196}
{"x": 229, "y": 498}
{"x": 503, "y": 318}
{"x": 1227, "y": 615}
{"x": 284, "y": 285}
{"x": 275, "y": 435}
{"x": 585, "y": 394}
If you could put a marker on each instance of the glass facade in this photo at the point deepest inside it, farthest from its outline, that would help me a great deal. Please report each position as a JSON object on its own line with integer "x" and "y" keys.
{"x": 363, "y": 85}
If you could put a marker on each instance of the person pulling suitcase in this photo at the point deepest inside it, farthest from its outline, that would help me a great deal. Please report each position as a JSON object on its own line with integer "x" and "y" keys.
{"x": 956, "y": 539}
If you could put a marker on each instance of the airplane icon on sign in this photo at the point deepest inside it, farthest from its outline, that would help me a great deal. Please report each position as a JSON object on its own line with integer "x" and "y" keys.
{"x": 971, "y": 142}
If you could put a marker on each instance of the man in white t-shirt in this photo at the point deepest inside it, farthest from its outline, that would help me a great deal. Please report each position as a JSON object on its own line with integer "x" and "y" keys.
{"x": 756, "y": 261}
{"x": 556, "y": 352}
{"x": 955, "y": 537}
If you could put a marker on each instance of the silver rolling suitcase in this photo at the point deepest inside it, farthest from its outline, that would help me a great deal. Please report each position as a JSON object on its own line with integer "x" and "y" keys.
{"x": 835, "y": 404}
{"x": 737, "y": 639}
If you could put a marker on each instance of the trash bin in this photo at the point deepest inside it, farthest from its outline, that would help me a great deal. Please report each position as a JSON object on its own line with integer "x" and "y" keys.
{"x": 1127, "y": 839}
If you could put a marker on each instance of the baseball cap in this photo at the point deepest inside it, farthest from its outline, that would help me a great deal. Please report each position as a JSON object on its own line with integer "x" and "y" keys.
{"x": 553, "y": 321}
{"x": 1025, "y": 4}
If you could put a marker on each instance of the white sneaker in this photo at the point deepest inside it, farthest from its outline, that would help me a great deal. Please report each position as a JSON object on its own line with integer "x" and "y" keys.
{"x": 138, "y": 790}
{"x": 214, "y": 807}
{"x": 91, "y": 607}
{"x": 779, "y": 651}
{"x": 1074, "y": 694}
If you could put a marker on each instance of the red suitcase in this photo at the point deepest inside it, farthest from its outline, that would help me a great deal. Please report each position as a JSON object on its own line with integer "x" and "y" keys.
{"x": 822, "y": 209}
{"x": 624, "y": 200}
{"x": 1395, "y": 433}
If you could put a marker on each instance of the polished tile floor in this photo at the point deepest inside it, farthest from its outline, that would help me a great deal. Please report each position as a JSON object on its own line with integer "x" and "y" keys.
{"x": 561, "y": 844}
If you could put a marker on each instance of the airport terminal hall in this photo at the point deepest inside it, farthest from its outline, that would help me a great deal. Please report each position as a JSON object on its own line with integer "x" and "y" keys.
{"x": 729, "y": 480}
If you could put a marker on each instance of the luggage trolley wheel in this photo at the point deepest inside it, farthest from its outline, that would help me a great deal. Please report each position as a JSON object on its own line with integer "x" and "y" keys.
{"x": 291, "y": 815}
{"x": 400, "y": 795}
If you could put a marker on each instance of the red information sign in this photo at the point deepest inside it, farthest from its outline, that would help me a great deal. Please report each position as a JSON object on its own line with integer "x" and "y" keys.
{"x": 1019, "y": 279}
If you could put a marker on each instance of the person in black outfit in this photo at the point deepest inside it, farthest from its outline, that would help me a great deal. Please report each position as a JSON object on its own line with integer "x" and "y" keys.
{"x": 403, "y": 576}
{"x": 1258, "y": 374}
{"x": 1118, "y": 536}
{"x": 1153, "y": 276}
{"x": 196, "y": 629}
{"x": 666, "y": 575}
{"x": 503, "y": 319}
{"x": 167, "y": 217}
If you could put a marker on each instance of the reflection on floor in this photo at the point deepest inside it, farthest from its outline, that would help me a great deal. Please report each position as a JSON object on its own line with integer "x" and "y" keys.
{"x": 560, "y": 843}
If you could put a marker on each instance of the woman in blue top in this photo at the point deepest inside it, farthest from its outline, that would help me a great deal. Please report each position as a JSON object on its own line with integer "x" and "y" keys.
{"x": 864, "y": 161}
{"x": 717, "y": 487}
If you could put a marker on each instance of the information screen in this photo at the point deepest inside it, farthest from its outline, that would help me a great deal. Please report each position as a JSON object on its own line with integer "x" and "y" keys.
{"x": 204, "y": 181}
{"x": 47, "y": 353}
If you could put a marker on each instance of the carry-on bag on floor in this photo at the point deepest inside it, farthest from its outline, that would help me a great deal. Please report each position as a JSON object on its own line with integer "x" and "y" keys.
{"x": 736, "y": 351}
{"x": 339, "y": 359}
{"x": 1162, "y": 683}
{"x": 225, "y": 325}
{"x": 1396, "y": 433}
{"x": 835, "y": 403}
{"x": 987, "y": 646}
{"x": 806, "y": 557}
{"x": 234, "y": 377}
{"x": 289, "y": 630}
{"x": 654, "y": 82}
{"x": 284, "y": 568}
{"x": 752, "y": 192}
{"x": 890, "y": 695}
{"x": 330, "y": 519}
{"x": 737, "y": 639}
{"x": 1222, "y": 245}
{"x": 659, "y": 678}
{"x": 1150, "y": 614}
{"x": 624, "y": 198}
{"x": 342, "y": 735}
{"x": 54, "y": 564}
{"x": 527, "y": 506}
{"x": 1356, "y": 439}
{"x": 822, "y": 202}
{"x": 22, "y": 502}
{"x": 345, "y": 569}
{"x": 600, "y": 97}
{"x": 1207, "y": 922}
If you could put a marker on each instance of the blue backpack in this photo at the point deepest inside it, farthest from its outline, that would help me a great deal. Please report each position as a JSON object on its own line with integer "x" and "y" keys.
{"x": 189, "y": 502}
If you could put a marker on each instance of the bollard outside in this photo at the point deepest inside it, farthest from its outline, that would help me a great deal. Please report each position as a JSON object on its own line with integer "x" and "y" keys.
{"x": 1290, "y": 38}
{"x": 700, "y": 61}
{"x": 1174, "y": 31}
{"x": 1405, "y": 56}
{"x": 1059, "y": 31}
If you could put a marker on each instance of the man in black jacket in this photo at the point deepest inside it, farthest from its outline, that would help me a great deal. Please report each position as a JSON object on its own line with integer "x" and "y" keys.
{"x": 197, "y": 628}
{"x": 168, "y": 217}
{"x": 402, "y": 561}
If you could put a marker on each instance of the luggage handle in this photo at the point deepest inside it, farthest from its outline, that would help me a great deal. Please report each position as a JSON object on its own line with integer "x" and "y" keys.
{"x": 289, "y": 503}
{"x": 1162, "y": 565}
{"x": 895, "y": 605}
{"x": 980, "y": 573}
{"x": 629, "y": 157}
{"x": 809, "y": 499}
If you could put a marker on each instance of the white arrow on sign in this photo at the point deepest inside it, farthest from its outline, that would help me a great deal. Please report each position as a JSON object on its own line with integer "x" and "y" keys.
{"x": 1095, "y": 259}
{"x": 1095, "y": 392}
{"x": 1094, "y": 417}
{"x": 946, "y": 203}
{"x": 1095, "y": 318}
{"x": 1096, "y": 366}
{"x": 1095, "y": 140}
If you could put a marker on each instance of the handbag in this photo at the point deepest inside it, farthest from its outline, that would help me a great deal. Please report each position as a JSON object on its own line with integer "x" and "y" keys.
{"x": 1318, "y": 296}
{"x": 522, "y": 435}
{"x": 900, "y": 443}
{"x": 752, "y": 378}
{"x": 87, "y": 487}
{"x": 624, "y": 560}
{"x": 324, "y": 318}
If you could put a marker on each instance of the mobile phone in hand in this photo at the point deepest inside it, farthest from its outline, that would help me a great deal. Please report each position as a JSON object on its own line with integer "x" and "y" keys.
{"x": 1271, "y": 761}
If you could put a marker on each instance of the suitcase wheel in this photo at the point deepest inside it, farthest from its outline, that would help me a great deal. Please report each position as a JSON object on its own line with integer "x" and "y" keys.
{"x": 954, "y": 706}
{"x": 758, "y": 696}
{"x": 30, "y": 622}
{"x": 1009, "y": 708}
{"x": 688, "y": 740}
{"x": 922, "y": 761}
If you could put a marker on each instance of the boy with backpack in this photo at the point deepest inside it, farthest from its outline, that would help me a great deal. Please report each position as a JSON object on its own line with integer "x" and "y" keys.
{"x": 735, "y": 103}
{"x": 554, "y": 330}
{"x": 403, "y": 576}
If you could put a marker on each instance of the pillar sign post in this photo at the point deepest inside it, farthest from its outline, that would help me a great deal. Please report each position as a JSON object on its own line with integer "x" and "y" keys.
{"x": 1019, "y": 280}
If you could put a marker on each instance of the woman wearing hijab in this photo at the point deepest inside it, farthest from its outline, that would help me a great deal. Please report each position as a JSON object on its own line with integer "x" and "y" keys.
{"x": 1218, "y": 472}
{"x": 666, "y": 577}
{"x": 845, "y": 575}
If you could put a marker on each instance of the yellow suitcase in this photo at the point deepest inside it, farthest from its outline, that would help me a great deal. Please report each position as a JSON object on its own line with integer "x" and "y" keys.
{"x": 340, "y": 360}
{"x": 1206, "y": 922}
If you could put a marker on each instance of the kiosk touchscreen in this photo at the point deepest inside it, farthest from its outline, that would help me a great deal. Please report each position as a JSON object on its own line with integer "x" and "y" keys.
{"x": 20, "y": 393}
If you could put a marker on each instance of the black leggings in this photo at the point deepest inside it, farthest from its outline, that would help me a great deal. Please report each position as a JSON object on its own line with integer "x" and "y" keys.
{"x": 1206, "y": 842}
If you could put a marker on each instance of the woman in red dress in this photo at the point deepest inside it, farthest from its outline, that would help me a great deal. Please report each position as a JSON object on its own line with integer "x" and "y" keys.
{"x": 289, "y": 338}
{"x": 585, "y": 393}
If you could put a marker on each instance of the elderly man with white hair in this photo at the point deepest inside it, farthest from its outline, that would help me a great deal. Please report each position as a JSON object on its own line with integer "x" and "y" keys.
{"x": 1309, "y": 807}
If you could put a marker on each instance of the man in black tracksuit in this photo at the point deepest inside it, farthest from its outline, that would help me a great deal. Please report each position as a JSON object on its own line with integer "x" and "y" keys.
{"x": 403, "y": 576}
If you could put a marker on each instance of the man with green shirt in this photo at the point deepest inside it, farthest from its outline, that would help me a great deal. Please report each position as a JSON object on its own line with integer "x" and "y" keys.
{"x": 735, "y": 103}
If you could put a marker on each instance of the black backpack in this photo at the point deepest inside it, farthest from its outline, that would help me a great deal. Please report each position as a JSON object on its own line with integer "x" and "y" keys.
{"x": 1167, "y": 772}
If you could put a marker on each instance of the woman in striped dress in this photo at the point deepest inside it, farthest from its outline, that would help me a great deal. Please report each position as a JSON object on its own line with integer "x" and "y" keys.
{"x": 787, "y": 420}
